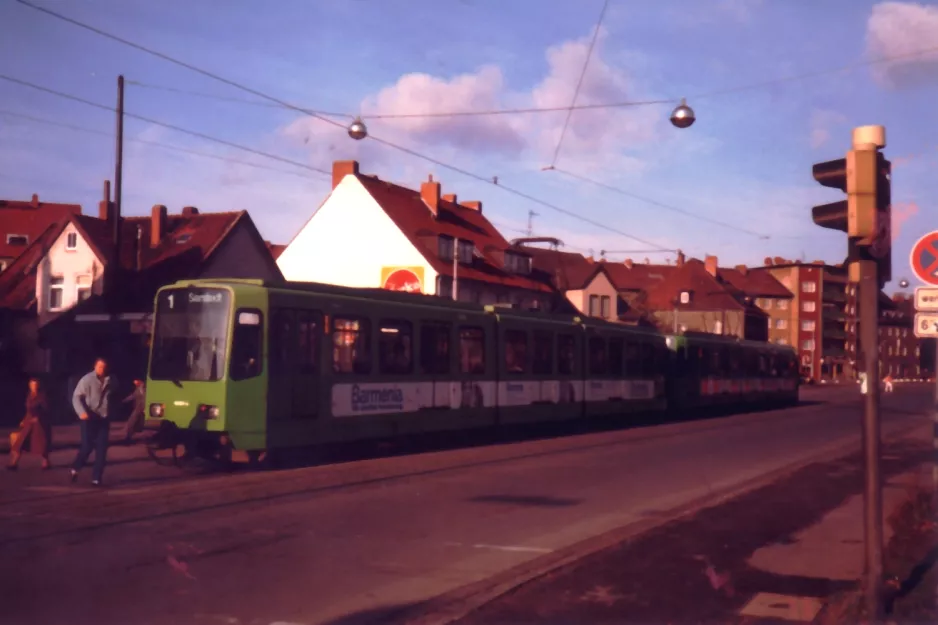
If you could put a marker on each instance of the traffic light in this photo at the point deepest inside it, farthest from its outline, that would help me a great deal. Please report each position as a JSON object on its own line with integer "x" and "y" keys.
{"x": 865, "y": 176}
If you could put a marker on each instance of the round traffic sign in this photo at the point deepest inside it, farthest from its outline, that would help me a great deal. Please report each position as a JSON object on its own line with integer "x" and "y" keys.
{"x": 924, "y": 258}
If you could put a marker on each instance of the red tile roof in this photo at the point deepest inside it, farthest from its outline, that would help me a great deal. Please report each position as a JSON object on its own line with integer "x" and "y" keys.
{"x": 30, "y": 219}
{"x": 755, "y": 283}
{"x": 188, "y": 242}
{"x": 408, "y": 211}
{"x": 275, "y": 249}
{"x": 567, "y": 271}
{"x": 637, "y": 277}
{"x": 18, "y": 282}
{"x": 707, "y": 293}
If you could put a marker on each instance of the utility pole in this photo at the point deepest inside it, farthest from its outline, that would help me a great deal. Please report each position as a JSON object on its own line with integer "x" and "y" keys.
{"x": 456, "y": 269}
{"x": 114, "y": 261}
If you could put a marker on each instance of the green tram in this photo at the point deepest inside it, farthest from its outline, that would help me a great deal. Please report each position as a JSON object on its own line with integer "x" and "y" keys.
{"x": 239, "y": 368}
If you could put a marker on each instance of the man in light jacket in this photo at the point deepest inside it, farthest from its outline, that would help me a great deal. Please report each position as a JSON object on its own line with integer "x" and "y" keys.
{"x": 92, "y": 402}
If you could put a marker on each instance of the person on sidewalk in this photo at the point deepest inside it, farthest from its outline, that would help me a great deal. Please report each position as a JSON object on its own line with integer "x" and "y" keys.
{"x": 92, "y": 403}
{"x": 34, "y": 429}
{"x": 888, "y": 382}
{"x": 136, "y": 418}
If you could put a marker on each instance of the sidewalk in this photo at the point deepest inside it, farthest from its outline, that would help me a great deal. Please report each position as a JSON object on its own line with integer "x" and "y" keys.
{"x": 64, "y": 436}
{"x": 778, "y": 554}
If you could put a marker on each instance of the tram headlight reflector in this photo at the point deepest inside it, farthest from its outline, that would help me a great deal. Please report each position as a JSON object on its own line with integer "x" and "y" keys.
{"x": 210, "y": 412}
{"x": 156, "y": 410}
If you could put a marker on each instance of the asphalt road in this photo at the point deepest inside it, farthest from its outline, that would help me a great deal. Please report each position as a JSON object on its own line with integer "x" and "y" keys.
{"x": 356, "y": 541}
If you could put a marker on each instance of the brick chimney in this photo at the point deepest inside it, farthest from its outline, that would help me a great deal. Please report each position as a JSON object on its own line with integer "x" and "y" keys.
{"x": 743, "y": 269}
{"x": 710, "y": 264}
{"x": 104, "y": 210}
{"x": 430, "y": 194}
{"x": 680, "y": 259}
{"x": 157, "y": 225}
{"x": 35, "y": 201}
{"x": 341, "y": 169}
{"x": 473, "y": 205}
{"x": 450, "y": 197}
{"x": 590, "y": 260}
{"x": 628, "y": 263}
{"x": 767, "y": 261}
{"x": 189, "y": 211}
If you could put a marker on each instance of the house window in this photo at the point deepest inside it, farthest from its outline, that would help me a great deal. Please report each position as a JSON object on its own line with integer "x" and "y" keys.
{"x": 604, "y": 306}
{"x": 783, "y": 341}
{"x": 718, "y": 327}
{"x": 808, "y": 344}
{"x": 56, "y": 292}
{"x": 781, "y": 324}
{"x": 783, "y": 304}
{"x": 465, "y": 251}
{"x": 82, "y": 288}
{"x": 71, "y": 241}
{"x": 809, "y": 287}
{"x": 17, "y": 239}
{"x": 445, "y": 247}
{"x": 808, "y": 306}
{"x": 515, "y": 263}
{"x": 594, "y": 306}
{"x": 807, "y": 326}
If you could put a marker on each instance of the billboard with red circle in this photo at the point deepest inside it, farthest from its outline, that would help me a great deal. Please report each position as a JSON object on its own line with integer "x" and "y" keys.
{"x": 924, "y": 258}
{"x": 406, "y": 279}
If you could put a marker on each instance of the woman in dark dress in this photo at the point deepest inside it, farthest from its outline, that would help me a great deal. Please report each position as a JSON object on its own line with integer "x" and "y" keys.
{"x": 34, "y": 428}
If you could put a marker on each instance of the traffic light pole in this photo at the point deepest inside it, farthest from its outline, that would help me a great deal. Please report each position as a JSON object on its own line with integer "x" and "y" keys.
{"x": 872, "y": 493}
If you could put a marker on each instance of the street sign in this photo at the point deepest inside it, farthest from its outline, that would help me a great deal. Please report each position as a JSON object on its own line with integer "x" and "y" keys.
{"x": 924, "y": 258}
{"x": 926, "y": 325}
{"x": 926, "y": 298}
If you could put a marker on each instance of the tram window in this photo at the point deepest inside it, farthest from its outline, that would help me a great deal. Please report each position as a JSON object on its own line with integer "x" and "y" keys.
{"x": 647, "y": 357}
{"x": 281, "y": 340}
{"x": 597, "y": 355}
{"x": 516, "y": 351}
{"x": 472, "y": 350}
{"x": 395, "y": 347}
{"x": 543, "y": 352}
{"x": 633, "y": 360}
{"x": 351, "y": 345}
{"x": 307, "y": 326}
{"x": 434, "y": 348}
{"x": 616, "y": 356}
{"x": 566, "y": 354}
{"x": 248, "y": 347}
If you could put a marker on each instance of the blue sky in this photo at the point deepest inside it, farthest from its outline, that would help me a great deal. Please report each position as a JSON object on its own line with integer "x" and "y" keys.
{"x": 747, "y": 160}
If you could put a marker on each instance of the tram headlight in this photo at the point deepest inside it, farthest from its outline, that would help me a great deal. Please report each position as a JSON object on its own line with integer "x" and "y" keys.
{"x": 209, "y": 412}
{"x": 156, "y": 410}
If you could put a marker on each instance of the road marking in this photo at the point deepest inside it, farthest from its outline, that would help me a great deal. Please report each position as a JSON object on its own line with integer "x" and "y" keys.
{"x": 515, "y": 548}
{"x": 786, "y": 607}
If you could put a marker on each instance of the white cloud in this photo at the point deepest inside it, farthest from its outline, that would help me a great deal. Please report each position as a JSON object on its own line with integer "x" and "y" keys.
{"x": 739, "y": 10}
{"x": 822, "y": 122}
{"x": 604, "y": 139}
{"x": 902, "y": 29}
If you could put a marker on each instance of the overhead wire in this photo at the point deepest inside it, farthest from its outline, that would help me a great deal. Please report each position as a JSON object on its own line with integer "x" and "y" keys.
{"x": 40, "y": 120}
{"x": 332, "y": 122}
{"x": 669, "y": 207}
{"x": 579, "y": 83}
{"x": 194, "y": 133}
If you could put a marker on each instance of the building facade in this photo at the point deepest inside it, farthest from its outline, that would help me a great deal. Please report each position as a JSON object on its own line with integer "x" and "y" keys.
{"x": 373, "y": 233}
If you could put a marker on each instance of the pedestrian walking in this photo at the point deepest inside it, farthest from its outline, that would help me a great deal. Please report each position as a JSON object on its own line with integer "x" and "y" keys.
{"x": 888, "y": 382}
{"x": 136, "y": 418}
{"x": 92, "y": 404}
{"x": 35, "y": 430}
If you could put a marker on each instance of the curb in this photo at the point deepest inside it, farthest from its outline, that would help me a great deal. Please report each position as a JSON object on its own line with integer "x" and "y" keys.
{"x": 456, "y": 604}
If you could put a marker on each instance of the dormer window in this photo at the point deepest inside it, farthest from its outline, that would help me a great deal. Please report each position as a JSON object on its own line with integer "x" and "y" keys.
{"x": 685, "y": 297}
{"x": 445, "y": 249}
{"x": 17, "y": 239}
{"x": 71, "y": 241}
{"x": 517, "y": 263}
